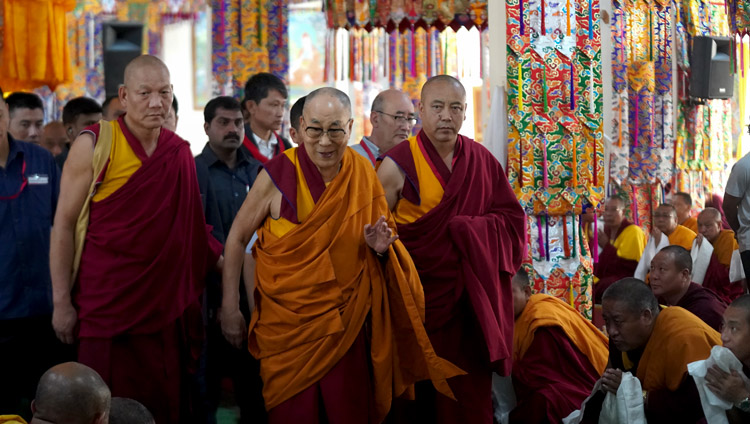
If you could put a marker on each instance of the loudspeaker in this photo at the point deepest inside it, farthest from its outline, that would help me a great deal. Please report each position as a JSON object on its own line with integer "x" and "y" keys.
{"x": 710, "y": 71}
{"x": 122, "y": 43}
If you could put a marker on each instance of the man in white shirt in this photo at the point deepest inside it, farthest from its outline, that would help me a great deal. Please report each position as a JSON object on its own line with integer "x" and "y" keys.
{"x": 265, "y": 103}
{"x": 737, "y": 207}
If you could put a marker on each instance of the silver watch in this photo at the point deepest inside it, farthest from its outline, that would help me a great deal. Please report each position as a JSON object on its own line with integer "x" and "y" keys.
{"x": 744, "y": 404}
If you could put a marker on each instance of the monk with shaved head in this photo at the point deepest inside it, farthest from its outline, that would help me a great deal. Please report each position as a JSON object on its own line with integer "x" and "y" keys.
{"x": 130, "y": 248}
{"x": 337, "y": 320}
{"x": 392, "y": 118}
{"x": 466, "y": 232}
{"x": 725, "y": 251}
{"x": 71, "y": 393}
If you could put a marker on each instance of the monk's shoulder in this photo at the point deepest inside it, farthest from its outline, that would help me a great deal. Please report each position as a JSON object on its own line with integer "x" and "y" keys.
{"x": 678, "y": 324}
{"x": 401, "y": 153}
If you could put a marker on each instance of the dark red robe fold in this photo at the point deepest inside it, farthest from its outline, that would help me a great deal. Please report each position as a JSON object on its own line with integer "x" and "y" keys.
{"x": 704, "y": 304}
{"x": 552, "y": 379}
{"x": 147, "y": 248}
{"x": 717, "y": 280}
{"x": 472, "y": 241}
{"x": 611, "y": 267}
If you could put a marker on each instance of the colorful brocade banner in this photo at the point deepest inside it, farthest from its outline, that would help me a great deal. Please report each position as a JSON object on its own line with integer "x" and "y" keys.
{"x": 740, "y": 16}
{"x": 400, "y": 14}
{"x": 555, "y": 140}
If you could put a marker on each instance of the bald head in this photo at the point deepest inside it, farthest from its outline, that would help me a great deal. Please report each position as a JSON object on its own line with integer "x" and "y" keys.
{"x": 392, "y": 118}
{"x": 71, "y": 393}
{"x": 129, "y": 411}
{"x": 54, "y": 137}
{"x": 710, "y": 224}
{"x": 436, "y": 83}
{"x": 325, "y": 94}
{"x": 142, "y": 63}
{"x": 710, "y": 214}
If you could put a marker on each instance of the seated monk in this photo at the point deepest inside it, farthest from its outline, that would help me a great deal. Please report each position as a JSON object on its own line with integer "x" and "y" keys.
{"x": 558, "y": 356}
{"x": 671, "y": 269}
{"x": 655, "y": 346}
{"x": 717, "y": 275}
{"x": 622, "y": 244}
{"x": 683, "y": 204}
{"x": 665, "y": 223}
{"x": 732, "y": 387}
{"x": 338, "y": 316}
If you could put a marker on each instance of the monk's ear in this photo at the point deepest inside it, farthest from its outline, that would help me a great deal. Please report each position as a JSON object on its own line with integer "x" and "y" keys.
{"x": 122, "y": 94}
{"x": 527, "y": 291}
{"x": 349, "y": 126}
{"x": 33, "y": 406}
{"x": 466, "y": 105}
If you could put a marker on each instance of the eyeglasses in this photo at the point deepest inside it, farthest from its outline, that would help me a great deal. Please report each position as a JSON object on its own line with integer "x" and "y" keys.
{"x": 334, "y": 134}
{"x": 401, "y": 118}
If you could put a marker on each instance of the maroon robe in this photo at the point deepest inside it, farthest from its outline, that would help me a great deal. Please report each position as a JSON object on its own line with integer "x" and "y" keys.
{"x": 611, "y": 267}
{"x": 717, "y": 280}
{"x": 144, "y": 261}
{"x": 704, "y": 304}
{"x": 552, "y": 379}
{"x": 466, "y": 249}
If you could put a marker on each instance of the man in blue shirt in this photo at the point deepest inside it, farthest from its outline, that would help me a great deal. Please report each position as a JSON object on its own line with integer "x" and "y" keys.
{"x": 29, "y": 186}
{"x": 225, "y": 174}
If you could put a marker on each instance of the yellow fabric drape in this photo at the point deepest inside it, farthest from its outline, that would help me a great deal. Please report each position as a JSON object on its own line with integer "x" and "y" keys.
{"x": 35, "y": 49}
{"x": 631, "y": 243}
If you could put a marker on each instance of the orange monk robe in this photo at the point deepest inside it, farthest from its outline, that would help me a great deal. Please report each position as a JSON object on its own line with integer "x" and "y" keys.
{"x": 557, "y": 358}
{"x": 682, "y": 236}
{"x": 318, "y": 283}
{"x": 724, "y": 245}
{"x": 691, "y": 224}
{"x": 678, "y": 338}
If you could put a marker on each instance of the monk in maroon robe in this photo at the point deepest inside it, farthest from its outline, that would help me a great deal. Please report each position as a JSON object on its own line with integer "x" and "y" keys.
{"x": 130, "y": 249}
{"x": 465, "y": 230}
{"x": 671, "y": 269}
{"x": 622, "y": 245}
{"x": 717, "y": 276}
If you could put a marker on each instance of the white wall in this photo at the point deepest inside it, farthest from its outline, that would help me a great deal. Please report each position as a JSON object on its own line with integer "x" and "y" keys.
{"x": 178, "y": 55}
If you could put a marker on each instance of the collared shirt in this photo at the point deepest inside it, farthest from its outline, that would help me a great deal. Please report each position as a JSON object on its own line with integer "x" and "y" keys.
{"x": 222, "y": 189}
{"x": 25, "y": 224}
{"x": 374, "y": 149}
{"x": 266, "y": 148}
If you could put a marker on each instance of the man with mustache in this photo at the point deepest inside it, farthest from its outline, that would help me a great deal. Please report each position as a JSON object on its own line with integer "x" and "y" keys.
{"x": 225, "y": 175}
{"x": 463, "y": 226}
{"x": 392, "y": 118}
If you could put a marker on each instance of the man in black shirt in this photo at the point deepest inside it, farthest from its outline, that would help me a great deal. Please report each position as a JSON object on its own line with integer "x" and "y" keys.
{"x": 225, "y": 175}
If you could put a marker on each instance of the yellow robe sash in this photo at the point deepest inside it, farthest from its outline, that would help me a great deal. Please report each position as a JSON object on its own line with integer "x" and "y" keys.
{"x": 430, "y": 190}
{"x": 682, "y": 236}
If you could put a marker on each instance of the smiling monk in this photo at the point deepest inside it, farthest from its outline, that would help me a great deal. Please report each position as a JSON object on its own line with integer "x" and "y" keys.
{"x": 337, "y": 324}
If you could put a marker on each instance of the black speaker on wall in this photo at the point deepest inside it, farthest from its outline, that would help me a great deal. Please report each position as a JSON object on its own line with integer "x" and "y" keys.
{"x": 122, "y": 43}
{"x": 711, "y": 75}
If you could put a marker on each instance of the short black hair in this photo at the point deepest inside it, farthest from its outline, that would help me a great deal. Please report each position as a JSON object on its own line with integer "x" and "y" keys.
{"x": 685, "y": 197}
{"x": 296, "y": 112}
{"x": 680, "y": 256}
{"x": 128, "y": 411}
{"x": 636, "y": 295}
{"x": 79, "y": 106}
{"x": 671, "y": 207}
{"x": 221, "y": 102}
{"x": 20, "y": 100}
{"x": 107, "y": 101}
{"x": 743, "y": 302}
{"x": 175, "y": 106}
{"x": 522, "y": 276}
{"x": 258, "y": 85}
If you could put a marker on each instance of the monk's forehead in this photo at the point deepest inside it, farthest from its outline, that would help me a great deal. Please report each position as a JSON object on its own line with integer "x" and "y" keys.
{"x": 709, "y": 216}
{"x": 147, "y": 74}
{"x": 325, "y": 108}
{"x": 443, "y": 90}
{"x": 666, "y": 209}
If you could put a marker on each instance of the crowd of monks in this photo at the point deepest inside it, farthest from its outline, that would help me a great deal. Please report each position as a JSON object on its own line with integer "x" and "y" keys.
{"x": 381, "y": 282}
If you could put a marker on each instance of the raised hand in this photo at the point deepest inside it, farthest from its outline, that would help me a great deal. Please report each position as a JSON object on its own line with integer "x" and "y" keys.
{"x": 379, "y": 236}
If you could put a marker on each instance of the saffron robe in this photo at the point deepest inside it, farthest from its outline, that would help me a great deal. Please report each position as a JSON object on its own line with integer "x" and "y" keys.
{"x": 681, "y": 236}
{"x": 318, "y": 285}
{"x": 691, "y": 224}
{"x": 466, "y": 232}
{"x": 717, "y": 276}
{"x": 558, "y": 357}
{"x": 619, "y": 258}
{"x": 146, "y": 252}
{"x": 678, "y": 338}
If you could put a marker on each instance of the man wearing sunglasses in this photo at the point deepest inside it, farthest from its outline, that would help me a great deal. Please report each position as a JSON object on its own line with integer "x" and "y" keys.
{"x": 336, "y": 325}
{"x": 29, "y": 187}
{"x": 392, "y": 118}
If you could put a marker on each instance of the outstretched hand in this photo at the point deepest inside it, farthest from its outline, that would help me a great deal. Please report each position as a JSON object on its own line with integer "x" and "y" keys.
{"x": 379, "y": 236}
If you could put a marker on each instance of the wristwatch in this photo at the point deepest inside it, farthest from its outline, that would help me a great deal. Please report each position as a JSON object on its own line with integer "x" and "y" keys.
{"x": 744, "y": 404}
